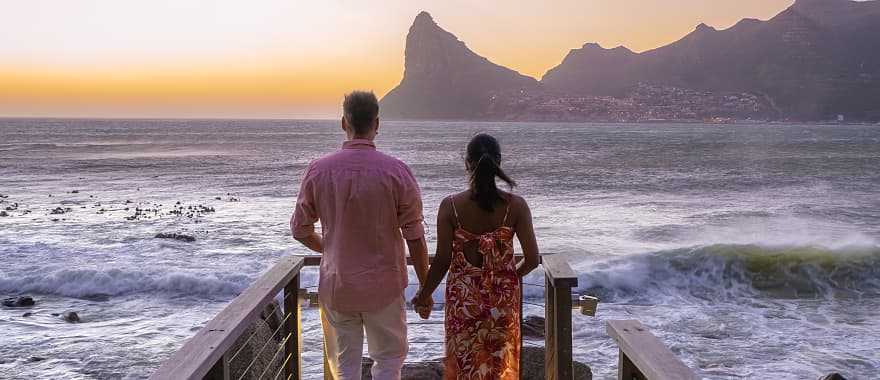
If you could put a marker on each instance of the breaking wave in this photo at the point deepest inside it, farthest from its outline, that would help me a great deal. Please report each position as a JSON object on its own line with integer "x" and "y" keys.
{"x": 87, "y": 283}
{"x": 719, "y": 272}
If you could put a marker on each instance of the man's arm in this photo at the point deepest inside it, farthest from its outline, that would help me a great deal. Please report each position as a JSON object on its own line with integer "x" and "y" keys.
{"x": 305, "y": 215}
{"x": 409, "y": 215}
{"x": 418, "y": 251}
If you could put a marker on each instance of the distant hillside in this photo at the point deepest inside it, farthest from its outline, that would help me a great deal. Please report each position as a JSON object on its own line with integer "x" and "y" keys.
{"x": 817, "y": 59}
{"x": 813, "y": 61}
{"x": 443, "y": 79}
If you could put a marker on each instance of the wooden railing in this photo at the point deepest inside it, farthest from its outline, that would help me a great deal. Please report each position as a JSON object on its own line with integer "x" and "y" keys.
{"x": 208, "y": 353}
{"x": 643, "y": 356}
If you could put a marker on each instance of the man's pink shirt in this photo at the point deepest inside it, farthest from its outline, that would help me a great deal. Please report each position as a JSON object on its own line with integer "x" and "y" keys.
{"x": 368, "y": 203}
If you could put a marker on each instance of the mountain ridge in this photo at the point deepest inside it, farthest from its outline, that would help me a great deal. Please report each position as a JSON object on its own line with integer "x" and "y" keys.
{"x": 812, "y": 61}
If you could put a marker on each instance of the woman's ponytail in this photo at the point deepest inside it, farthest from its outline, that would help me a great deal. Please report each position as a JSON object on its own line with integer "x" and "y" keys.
{"x": 484, "y": 164}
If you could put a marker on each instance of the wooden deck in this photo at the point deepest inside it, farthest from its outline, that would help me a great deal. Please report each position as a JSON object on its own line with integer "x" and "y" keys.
{"x": 207, "y": 354}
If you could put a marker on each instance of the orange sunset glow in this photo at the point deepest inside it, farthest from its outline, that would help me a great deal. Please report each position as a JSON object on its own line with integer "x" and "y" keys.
{"x": 293, "y": 59}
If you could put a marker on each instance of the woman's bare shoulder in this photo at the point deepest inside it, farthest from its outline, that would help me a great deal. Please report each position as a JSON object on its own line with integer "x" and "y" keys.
{"x": 516, "y": 201}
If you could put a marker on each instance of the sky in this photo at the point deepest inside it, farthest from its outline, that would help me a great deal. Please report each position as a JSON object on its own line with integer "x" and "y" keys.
{"x": 293, "y": 58}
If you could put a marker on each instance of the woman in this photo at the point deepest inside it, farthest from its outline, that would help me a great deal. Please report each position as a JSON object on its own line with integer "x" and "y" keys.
{"x": 475, "y": 230}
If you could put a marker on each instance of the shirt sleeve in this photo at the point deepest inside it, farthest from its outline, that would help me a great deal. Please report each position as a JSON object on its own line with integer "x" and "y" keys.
{"x": 409, "y": 207}
{"x": 305, "y": 215}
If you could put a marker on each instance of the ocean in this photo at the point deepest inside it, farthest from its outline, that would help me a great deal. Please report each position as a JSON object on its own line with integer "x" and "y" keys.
{"x": 752, "y": 251}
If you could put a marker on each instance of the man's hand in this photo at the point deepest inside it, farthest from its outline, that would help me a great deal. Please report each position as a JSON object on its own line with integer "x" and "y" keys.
{"x": 423, "y": 304}
{"x": 313, "y": 242}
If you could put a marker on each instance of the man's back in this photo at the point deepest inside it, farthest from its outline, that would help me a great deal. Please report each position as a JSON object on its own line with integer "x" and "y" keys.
{"x": 367, "y": 203}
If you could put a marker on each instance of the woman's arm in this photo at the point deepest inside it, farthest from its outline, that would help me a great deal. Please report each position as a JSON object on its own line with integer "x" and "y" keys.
{"x": 525, "y": 232}
{"x": 442, "y": 259}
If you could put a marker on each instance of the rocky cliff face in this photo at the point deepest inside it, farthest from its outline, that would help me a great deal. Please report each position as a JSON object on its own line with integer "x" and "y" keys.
{"x": 443, "y": 79}
{"x": 817, "y": 59}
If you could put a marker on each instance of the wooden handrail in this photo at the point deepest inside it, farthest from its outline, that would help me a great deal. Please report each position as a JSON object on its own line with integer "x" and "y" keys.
{"x": 643, "y": 356}
{"x": 558, "y": 271}
{"x": 210, "y": 344}
{"x": 315, "y": 260}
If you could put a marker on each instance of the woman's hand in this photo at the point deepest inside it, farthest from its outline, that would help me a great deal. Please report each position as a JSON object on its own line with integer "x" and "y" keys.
{"x": 422, "y": 304}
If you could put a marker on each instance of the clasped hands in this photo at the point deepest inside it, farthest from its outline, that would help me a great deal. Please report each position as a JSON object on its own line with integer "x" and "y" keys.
{"x": 423, "y": 303}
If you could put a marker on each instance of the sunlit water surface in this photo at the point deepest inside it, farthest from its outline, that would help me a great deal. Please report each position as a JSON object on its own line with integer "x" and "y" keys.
{"x": 751, "y": 250}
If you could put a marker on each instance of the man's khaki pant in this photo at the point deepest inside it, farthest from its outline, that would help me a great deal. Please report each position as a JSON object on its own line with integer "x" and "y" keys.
{"x": 386, "y": 339}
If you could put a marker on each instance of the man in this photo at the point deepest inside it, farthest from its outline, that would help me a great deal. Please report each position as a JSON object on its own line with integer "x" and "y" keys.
{"x": 368, "y": 203}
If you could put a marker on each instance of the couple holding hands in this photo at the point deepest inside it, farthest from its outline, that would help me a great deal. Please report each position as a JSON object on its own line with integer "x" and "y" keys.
{"x": 369, "y": 206}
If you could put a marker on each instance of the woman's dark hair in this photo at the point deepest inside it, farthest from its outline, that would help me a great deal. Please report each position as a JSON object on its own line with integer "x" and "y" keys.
{"x": 484, "y": 164}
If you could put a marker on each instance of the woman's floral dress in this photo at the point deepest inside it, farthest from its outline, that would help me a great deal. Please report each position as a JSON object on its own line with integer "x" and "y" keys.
{"x": 483, "y": 308}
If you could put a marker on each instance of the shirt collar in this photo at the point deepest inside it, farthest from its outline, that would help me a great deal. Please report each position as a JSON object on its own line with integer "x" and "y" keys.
{"x": 358, "y": 144}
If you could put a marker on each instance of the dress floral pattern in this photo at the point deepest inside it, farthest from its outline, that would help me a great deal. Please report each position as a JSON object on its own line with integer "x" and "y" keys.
{"x": 483, "y": 308}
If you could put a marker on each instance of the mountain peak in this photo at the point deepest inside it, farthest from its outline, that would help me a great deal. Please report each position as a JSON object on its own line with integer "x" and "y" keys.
{"x": 705, "y": 28}
{"x": 443, "y": 78}
{"x": 424, "y": 19}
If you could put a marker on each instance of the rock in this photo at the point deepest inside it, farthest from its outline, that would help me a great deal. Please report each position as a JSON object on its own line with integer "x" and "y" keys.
{"x": 531, "y": 367}
{"x": 70, "y": 316}
{"x": 23, "y": 301}
{"x": 272, "y": 315}
{"x": 429, "y": 370}
{"x": 28, "y": 314}
{"x": 34, "y": 359}
{"x": 176, "y": 236}
{"x": 833, "y": 376}
{"x": 3, "y": 213}
{"x": 247, "y": 347}
{"x": 533, "y": 326}
{"x": 75, "y": 192}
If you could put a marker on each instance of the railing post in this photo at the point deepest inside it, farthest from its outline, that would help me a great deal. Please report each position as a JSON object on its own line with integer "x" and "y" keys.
{"x": 627, "y": 370}
{"x": 558, "y": 355}
{"x": 293, "y": 369}
{"x": 220, "y": 370}
{"x": 550, "y": 362}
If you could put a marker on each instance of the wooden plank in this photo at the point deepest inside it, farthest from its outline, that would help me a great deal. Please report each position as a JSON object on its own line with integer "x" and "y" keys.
{"x": 293, "y": 327}
{"x": 557, "y": 269}
{"x": 549, "y": 331}
{"x": 315, "y": 260}
{"x": 562, "y": 325}
{"x": 647, "y": 353}
{"x": 211, "y": 342}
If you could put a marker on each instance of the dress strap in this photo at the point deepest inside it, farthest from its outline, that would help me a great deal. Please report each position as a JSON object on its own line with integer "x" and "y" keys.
{"x": 506, "y": 213}
{"x": 454, "y": 210}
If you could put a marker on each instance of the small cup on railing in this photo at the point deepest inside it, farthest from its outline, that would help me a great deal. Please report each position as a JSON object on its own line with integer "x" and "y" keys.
{"x": 588, "y": 305}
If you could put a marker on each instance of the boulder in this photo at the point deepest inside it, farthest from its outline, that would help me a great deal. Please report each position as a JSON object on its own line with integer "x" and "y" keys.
{"x": 28, "y": 314}
{"x": 253, "y": 346}
{"x": 3, "y": 213}
{"x": 34, "y": 359}
{"x": 176, "y": 236}
{"x": 70, "y": 316}
{"x": 833, "y": 376}
{"x": 533, "y": 326}
{"x": 22, "y": 301}
{"x": 273, "y": 316}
